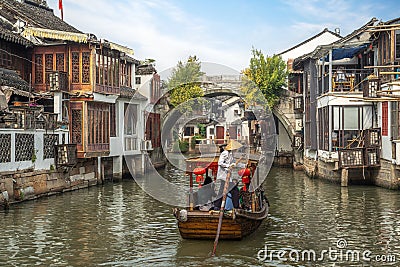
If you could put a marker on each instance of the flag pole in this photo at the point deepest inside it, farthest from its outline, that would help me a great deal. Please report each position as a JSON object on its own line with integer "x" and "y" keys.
{"x": 61, "y": 8}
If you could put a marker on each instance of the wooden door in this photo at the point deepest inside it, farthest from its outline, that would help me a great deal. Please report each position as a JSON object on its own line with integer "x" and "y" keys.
{"x": 220, "y": 134}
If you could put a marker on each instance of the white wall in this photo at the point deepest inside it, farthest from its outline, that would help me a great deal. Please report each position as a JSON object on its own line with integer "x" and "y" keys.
{"x": 323, "y": 39}
{"x": 40, "y": 163}
{"x": 284, "y": 143}
{"x": 144, "y": 86}
{"x": 117, "y": 143}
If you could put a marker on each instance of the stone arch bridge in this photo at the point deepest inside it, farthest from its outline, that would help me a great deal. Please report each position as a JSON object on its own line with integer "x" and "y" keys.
{"x": 288, "y": 116}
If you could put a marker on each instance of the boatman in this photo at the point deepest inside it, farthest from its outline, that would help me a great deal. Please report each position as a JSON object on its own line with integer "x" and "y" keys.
{"x": 226, "y": 161}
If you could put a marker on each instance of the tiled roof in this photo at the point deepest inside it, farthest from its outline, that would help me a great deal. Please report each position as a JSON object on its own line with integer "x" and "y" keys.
{"x": 145, "y": 69}
{"x": 310, "y": 39}
{"x": 10, "y": 78}
{"x": 34, "y": 14}
{"x": 7, "y": 34}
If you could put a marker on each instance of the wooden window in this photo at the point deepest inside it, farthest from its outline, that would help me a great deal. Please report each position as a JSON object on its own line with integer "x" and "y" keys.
{"x": 75, "y": 67}
{"x": 131, "y": 115}
{"x": 60, "y": 61}
{"x": 97, "y": 68}
{"x": 307, "y": 122}
{"x": 48, "y": 63}
{"x": 189, "y": 131}
{"x": 323, "y": 129}
{"x": 76, "y": 118}
{"x": 48, "y": 58}
{"x": 116, "y": 73}
{"x": 85, "y": 67}
{"x": 395, "y": 120}
{"x": 397, "y": 45}
{"x": 385, "y": 119}
{"x": 113, "y": 128}
{"x": 5, "y": 55}
{"x": 105, "y": 64}
{"x": 98, "y": 126}
{"x": 38, "y": 68}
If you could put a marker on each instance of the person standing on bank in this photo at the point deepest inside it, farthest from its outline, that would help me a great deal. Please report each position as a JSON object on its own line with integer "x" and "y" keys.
{"x": 226, "y": 161}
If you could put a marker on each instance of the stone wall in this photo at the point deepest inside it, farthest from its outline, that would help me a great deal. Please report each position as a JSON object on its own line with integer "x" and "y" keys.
{"x": 30, "y": 184}
{"x": 387, "y": 176}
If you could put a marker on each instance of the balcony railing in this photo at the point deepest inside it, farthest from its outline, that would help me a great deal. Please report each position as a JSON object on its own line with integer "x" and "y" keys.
{"x": 131, "y": 143}
{"x": 29, "y": 118}
{"x": 359, "y": 157}
{"x": 346, "y": 80}
{"x": 390, "y": 73}
{"x": 105, "y": 89}
{"x": 98, "y": 147}
{"x": 367, "y": 154}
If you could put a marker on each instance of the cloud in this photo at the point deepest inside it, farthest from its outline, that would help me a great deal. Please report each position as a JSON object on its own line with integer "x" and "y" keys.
{"x": 153, "y": 28}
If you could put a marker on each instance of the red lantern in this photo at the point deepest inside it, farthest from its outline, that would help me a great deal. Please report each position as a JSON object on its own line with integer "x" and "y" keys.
{"x": 246, "y": 179}
{"x": 199, "y": 171}
{"x": 244, "y": 172}
{"x": 199, "y": 178}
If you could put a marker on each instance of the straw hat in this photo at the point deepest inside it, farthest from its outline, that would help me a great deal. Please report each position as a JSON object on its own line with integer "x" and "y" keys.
{"x": 233, "y": 144}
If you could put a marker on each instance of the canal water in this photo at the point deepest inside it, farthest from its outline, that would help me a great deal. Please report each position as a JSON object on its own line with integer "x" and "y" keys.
{"x": 120, "y": 225}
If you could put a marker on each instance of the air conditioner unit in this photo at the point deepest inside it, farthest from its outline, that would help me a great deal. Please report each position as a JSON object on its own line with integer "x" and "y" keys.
{"x": 146, "y": 145}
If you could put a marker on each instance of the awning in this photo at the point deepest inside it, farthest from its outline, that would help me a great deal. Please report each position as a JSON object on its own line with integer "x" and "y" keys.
{"x": 347, "y": 52}
{"x": 56, "y": 35}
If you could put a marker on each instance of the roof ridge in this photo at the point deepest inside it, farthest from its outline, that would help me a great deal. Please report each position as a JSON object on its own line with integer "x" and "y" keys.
{"x": 311, "y": 38}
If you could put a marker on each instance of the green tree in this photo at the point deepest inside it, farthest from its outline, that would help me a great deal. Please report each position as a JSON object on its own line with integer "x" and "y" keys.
{"x": 263, "y": 79}
{"x": 183, "y": 84}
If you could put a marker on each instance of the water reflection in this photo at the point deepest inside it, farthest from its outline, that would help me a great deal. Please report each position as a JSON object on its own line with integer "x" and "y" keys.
{"x": 120, "y": 225}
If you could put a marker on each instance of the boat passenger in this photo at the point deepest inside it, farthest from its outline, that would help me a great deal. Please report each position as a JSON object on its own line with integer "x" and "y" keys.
{"x": 206, "y": 194}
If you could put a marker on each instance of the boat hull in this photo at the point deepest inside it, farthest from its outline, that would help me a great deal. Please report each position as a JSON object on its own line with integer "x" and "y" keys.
{"x": 203, "y": 225}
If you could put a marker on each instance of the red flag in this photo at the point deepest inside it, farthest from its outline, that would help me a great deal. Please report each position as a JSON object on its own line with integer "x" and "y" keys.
{"x": 60, "y": 7}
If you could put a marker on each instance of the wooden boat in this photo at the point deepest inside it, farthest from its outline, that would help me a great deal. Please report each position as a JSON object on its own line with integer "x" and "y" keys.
{"x": 236, "y": 224}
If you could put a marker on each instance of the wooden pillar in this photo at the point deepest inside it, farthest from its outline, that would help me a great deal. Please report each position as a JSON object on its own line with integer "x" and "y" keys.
{"x": 345, "y": 177}
{"x": 330, "y": 70}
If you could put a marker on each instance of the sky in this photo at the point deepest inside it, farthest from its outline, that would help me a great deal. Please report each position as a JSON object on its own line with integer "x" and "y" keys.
{"x": 223, "y": 31}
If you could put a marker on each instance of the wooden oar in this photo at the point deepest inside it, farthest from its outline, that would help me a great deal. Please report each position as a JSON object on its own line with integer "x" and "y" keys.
{"x": 221, "y": 211}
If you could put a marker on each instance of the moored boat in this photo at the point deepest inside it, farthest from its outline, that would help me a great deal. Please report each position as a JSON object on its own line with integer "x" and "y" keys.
{"x": 196, "y": 223}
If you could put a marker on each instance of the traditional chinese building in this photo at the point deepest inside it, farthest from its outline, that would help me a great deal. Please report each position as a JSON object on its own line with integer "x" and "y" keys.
{"x": 344, "y": 121}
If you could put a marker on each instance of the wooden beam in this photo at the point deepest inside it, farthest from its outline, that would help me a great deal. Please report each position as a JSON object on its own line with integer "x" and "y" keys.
{"x": 389, "y": 72}
{"x": 383, "y": 26}
{"x": 387, "y": 66}
{"x": 382, "y": 30}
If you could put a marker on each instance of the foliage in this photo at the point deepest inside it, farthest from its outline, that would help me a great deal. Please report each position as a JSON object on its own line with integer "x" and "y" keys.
{"x": 183, "y": 84}
{"x": 182, "y": 146}
{"x": 263, "y": 79}
{"x": 194, "y": 140}
{"x": 202, "y": 130}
